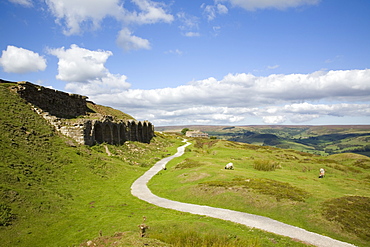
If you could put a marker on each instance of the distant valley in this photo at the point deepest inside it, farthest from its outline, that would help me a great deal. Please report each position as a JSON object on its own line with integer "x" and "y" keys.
{"x": 322, "y": 140}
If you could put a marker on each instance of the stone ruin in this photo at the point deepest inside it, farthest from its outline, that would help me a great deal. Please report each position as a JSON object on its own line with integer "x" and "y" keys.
{"x": 105, "y": 130}
{"x": 62, "y": 110}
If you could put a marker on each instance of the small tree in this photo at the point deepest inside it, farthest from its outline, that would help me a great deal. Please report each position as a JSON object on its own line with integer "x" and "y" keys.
{"x": 184, "y": 130}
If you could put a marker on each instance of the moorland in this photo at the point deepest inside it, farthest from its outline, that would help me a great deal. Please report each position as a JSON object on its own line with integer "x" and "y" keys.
{"x": 316, "y": 139}
{"x": 54, "y": 192}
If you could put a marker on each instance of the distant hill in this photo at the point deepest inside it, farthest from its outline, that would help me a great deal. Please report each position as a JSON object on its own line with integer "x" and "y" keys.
{"x": 323, "y": 140}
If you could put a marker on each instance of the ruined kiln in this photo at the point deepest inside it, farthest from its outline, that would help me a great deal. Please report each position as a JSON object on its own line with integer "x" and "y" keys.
{"x": 68, "y": 113}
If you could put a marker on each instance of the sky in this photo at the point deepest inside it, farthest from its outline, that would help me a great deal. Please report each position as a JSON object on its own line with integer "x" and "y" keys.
{"x": 198, "y": 62}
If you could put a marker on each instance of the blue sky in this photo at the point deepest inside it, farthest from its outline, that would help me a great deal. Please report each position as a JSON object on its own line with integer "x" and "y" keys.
{"x": 224, "y": 62}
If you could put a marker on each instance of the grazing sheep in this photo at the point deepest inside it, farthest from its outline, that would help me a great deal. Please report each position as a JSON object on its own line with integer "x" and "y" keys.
{"x": 322, "y": 173}
{"x": 229, "y": 166}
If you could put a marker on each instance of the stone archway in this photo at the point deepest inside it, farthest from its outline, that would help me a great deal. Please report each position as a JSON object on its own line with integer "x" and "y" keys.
{"x": 150, "y": 131}
{"x": 107, "y": 134}
{"x": 122, "y": 133}
{"x": 140, "y": 132}
{"x": 133, "y": 131}
{"x": 98, "y": 133}
{"x": 144, "y": 132}
{"x": 115, "y": 134}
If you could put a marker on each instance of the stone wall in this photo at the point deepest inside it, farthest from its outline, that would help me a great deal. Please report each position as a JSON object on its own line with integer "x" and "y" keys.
{"x": 91, "y": 132}
{"x": 57, "y": 103}
{"x": 58, "y": 108}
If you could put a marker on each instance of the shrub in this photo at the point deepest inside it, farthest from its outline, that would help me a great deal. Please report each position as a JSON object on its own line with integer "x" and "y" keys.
{"x": 266, "y": 165}
{"x": 188, "y": 163}
{"x": 6, "y": 216}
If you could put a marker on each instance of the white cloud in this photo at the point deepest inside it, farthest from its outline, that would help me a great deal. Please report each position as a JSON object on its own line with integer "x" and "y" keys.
{"x": 273, "y": 66}
{"x": 192, "y": 34}
{"x": 176, "y": 52}
{"x": 222, "y": 9}
{"x": 80, "y": 64}
{"x": 189, "y": 24}
{"x": 238, "y": 97}
{"x": 19, "y": 60}
{"x": 109, "y": 84}
{"x": 128, "y": 42}
{"x": 210, "y": 11}
{"x": 252, "y": 5}
{"x": 76, "y": 16}
{"x": 86, "y": 72}
{"x": 25, "y": 3}
{"x": 72, "y": 14}
{"x": 150, "y": 12}
{"x": 273, "y": 119}
{"x": 188, "y": 21}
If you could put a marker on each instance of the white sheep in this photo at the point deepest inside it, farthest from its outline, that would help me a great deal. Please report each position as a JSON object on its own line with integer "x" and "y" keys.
{"x": 229, "y": 166}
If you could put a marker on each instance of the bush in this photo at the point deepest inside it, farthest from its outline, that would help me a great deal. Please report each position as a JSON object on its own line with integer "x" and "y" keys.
{"x": 6, "y": 216}
{"x": 266, "y": 165}
{"x": 188, "y": 163}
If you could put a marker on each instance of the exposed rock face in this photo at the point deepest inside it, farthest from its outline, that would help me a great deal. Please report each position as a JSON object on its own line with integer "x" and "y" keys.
{"x": 57, "y": 103}
{"x": 58, "y": 108}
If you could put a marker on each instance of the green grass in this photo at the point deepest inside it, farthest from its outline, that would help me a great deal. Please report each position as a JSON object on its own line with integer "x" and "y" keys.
{"x": 350, "y": 212}
{"x": 293, "y": 193}
{"x": 273, "y": 188}
{"x": 266, "y": 165}
{"x": 56, "y": 193}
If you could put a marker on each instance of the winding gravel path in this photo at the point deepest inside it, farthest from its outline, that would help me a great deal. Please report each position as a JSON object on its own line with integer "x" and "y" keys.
{"x": 140, "y": 189}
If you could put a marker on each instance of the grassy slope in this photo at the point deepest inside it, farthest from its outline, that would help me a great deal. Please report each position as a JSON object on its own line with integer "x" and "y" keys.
{"x": 105, "y": 110}
{"x": 201, "y": 179}
{"x": 52, "y": 188}
{"x": 53, "y": 193}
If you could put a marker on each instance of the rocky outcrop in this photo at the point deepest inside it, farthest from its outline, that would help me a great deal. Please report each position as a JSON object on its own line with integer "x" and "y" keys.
{"x": 61, "y": 110}
{"x": 57, "y": 103}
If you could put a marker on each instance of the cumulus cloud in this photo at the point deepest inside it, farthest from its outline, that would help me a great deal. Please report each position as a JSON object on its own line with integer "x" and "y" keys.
{"x": 73, "y": 14}
{"x": 79, "y": 15}
{"x": 80, "y": 64}
{"x": 109, "y": 84}
{"x": 238, "y": 97}
{"x": 86, "y": 72}
{"x": 128, "y": 42}
{"x": 149, "y": 12}
{"x": 19, "y": 60}
{"x": 25, "y": 3}
{"x": 252, "y": 5}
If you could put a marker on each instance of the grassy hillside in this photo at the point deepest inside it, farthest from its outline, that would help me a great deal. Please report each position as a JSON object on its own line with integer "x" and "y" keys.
{"x": 56, "y": 193}
{"x": 105, "y": 110}
{"x": 281, "y": 184}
